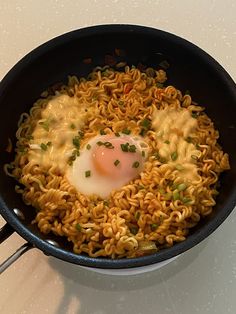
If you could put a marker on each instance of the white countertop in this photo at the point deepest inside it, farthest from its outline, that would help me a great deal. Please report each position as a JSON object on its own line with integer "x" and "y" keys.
{"x": 203, "y": 280}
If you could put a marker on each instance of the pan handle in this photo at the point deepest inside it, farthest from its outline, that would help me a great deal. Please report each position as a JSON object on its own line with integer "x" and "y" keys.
{"x": 5, "y": 232}
{"x": 23, "y": 249}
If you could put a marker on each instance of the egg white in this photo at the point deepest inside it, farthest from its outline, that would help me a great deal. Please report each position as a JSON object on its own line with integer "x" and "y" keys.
{"x": 96, "y": 183}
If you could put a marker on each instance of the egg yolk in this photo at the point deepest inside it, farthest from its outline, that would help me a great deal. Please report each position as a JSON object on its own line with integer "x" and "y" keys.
{"x": 117, "y": 157}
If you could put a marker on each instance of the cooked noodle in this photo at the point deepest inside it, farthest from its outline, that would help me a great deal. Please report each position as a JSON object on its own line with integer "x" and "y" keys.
{"x": 155, "y": 210}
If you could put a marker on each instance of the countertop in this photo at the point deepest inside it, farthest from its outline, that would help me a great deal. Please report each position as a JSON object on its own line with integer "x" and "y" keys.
{"x": 203, "y": 280}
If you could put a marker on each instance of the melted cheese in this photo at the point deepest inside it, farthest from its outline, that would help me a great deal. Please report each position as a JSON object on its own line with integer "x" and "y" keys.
{"x": 61, "y": 120}
{"x": 172, "y": 127}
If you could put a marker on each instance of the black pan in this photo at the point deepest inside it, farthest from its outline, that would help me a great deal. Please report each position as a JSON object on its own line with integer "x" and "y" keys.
{"x": 190, "y": 69}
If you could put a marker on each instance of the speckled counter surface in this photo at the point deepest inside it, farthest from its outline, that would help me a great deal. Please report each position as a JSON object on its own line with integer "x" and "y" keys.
{"x": 203, "y": 280}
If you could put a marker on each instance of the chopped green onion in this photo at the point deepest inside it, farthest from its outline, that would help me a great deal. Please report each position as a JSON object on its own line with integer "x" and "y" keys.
{"x": 135, "y": 164}
{"x": 137, "y": 215}
{"x": 141, "y": 187}
{"x": 160, "y": 158}
{"x": 194, "y": 115}
{"x": 174, "y": 156}
{"x": 43, "y": 146}
{"x": 116, "y": 163}
{"x": 159, "y": 85}
{"x": 73, "y": 157}
{"x": 162, "y": 191}
{"x": 45, "y": 125}
{"x": 186, "y": 200}
{"x": 87, "y": 173}
{"x": 146, "y": 247}
{"x": 22, "y": 149}
{"x": 154, "y": 227}
{"x": 143, "y": 132}
{"x": 29, "y": 137}
{"x": 108, "y": 145}
{"x": 134, "y": 230}
{"x": 88, "y": 147}
{"x": 106, "y": 203}
{"x": 72, "y": 126}
{"x": 176, "y": 195}
{"x": 76, "y": 142}
{"x": 132, "y": 148}
{"x": 143, "y": 153}
{"x": 146, "y": 124}
{"x": 189, "y": 139}
{"x": 76, "y": 152}
{"x": 194, "y": 157}
{"x": 174, "y": 186}
{"x": 81, "y": 134}
{"x": 125, "y": 147}
{"x": 179, "y": 167}
{"x": 167, "y": 196}
{"x": 149, "y": 102}
{"x": 167, "y": 142}
{"x": 105, "y": 72}
{"x": 126, "y": 131}
{"x": 117, "y": 134}
{"x": 181, "y": 187}
{"x": 17, "y": 187}
{"x": 70, "y": 162}
{"x": 198, "y": 146}
{"x": 120, "y": 103}
{"x": 78, "y": 227}
{"x": 102, "y": 132}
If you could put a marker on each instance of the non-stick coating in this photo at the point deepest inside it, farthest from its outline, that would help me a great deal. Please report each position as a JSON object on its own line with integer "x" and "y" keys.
{"x": 190, "y": 69}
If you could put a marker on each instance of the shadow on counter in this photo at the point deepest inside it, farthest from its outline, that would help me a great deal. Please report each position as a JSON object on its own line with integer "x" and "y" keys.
{"x": 88, "y": 286}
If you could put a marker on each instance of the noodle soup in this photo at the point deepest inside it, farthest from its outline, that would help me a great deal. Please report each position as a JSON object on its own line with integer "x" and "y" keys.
{"x": 119, "y": 164}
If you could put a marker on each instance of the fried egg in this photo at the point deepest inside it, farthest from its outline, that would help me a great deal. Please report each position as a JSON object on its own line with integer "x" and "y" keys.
{"x": 106, "y": 163}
